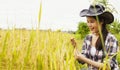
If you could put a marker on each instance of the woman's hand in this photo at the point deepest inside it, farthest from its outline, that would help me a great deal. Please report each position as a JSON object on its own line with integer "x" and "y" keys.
{"x": 81, "y": 57}
{"x": 76, "y": 51}
{"x": 73, "y": 42}
{"x": 76, "y": 54}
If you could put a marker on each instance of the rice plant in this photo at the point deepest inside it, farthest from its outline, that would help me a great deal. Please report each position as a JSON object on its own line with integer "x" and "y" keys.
{"x": 54, "y": 51}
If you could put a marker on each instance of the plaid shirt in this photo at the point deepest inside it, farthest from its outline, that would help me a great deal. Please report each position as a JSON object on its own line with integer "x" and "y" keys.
{"x": 111, "y": 45}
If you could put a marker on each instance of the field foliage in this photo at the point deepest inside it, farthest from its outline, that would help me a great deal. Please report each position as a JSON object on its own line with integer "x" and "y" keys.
{"x": 37, "y": 50}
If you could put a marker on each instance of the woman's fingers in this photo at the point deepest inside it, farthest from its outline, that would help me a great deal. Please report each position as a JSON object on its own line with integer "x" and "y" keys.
{"x": 76, "y": 53}
{"x": 73, "y": 42}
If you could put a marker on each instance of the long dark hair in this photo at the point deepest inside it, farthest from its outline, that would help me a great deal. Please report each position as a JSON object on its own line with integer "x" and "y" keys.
{"x": 104, "y": 32}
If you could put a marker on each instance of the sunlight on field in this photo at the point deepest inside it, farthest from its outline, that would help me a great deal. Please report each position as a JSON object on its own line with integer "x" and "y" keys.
{"x": 24, "y": 49}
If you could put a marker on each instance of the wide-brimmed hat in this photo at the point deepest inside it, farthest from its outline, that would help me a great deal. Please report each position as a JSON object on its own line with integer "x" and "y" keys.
{"x": 96, "y": 10}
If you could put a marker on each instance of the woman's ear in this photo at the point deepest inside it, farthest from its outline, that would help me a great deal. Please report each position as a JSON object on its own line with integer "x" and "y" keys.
{"x": 101, "y": 23}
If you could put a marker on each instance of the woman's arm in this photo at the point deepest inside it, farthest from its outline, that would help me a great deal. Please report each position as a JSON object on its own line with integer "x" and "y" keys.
{"x": 112, "y": 51}
{"x": 81, "y": 57}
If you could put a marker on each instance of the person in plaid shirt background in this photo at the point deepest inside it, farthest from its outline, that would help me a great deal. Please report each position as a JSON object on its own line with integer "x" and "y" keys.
{"x": 93, "y": 50}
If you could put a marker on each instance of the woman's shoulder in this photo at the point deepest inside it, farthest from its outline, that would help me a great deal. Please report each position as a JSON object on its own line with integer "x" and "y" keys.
{"x": 111, "y": 36}
{"x": 88, "y": 37}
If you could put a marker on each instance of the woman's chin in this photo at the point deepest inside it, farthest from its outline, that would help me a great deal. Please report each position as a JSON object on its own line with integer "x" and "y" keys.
{"x": 92, "y": 32}
{"x": 95, "y": 33}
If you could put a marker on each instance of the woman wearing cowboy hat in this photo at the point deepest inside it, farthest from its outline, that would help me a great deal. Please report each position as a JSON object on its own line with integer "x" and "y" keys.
{"x": 100, "y": 43}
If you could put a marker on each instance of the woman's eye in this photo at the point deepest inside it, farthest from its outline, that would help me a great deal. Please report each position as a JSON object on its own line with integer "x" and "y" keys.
{"x": 90, "y": 21}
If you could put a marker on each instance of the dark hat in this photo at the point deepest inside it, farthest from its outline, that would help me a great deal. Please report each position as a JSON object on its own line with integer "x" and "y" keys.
{"x": 96, "y": 10}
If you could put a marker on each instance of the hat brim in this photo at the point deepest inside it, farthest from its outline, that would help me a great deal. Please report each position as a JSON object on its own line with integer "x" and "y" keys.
{"x": 86, "y": 12}
{"x": 108, "y": 16}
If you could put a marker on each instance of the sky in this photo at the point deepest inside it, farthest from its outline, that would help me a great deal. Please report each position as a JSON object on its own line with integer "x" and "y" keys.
{"x": 56, "y": 14}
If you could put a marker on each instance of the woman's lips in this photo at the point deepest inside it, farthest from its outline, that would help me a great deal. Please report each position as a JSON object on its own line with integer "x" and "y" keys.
{"x": 91, "y": 29}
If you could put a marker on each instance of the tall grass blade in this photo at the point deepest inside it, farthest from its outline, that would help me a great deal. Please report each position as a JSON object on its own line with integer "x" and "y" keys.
{"x": 40, "y": 14}
{"x": 5, "y": 42}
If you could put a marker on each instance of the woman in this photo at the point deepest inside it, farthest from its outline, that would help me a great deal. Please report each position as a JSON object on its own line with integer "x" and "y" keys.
{"x": 100, "y": 43}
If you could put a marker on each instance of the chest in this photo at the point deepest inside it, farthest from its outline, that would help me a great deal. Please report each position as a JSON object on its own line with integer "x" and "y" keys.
{"x": 93, "y": 41}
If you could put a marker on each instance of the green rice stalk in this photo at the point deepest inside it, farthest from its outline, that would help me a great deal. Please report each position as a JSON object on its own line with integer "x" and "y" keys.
{"x": 3, "y": 61}
{"x": 27, "y": 57}
{"x": 5, "y": 42}
{"x": 101, "y": 37}
{"x": 39, "y": 62}
{"x": 40, "y": 14}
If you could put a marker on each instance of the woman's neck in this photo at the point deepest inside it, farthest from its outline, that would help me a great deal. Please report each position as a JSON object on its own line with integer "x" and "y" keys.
{"x": 96, "y": 34}
{"x": 94, "y": 39}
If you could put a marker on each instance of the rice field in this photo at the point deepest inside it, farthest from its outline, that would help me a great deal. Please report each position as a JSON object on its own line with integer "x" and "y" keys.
{"x": 36, "y": 50}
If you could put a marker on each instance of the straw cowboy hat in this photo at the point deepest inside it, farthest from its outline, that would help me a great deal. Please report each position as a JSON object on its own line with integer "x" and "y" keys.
{"x": 96, "y": 10}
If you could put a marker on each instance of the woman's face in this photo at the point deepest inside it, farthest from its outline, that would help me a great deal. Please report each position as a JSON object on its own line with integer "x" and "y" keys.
{"x": 93, "y": 25}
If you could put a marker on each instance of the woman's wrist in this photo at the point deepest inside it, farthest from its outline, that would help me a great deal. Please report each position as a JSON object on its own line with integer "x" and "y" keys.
{"x": 89, "y": 61}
